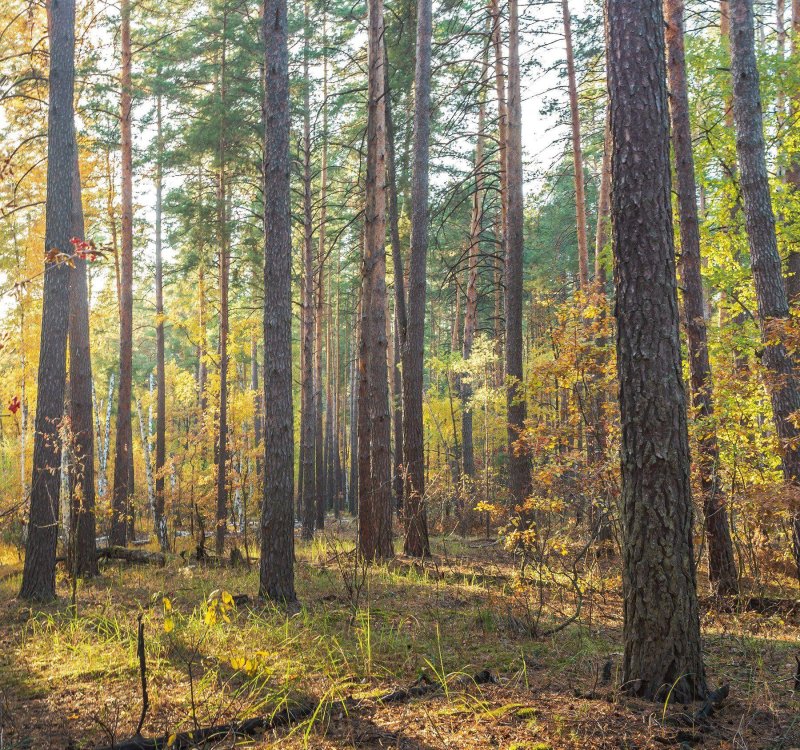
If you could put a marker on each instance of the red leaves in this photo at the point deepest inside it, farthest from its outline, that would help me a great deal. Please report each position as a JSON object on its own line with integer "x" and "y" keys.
{"x": 14, "y": 405}
{"x": 85, "y": 250}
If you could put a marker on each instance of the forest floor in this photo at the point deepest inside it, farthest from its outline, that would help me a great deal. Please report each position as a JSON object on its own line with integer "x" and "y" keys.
{"x": 70, "y": 679}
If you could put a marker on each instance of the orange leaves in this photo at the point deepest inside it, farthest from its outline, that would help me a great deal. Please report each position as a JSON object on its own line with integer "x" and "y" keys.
{"x": 55, "y": 256}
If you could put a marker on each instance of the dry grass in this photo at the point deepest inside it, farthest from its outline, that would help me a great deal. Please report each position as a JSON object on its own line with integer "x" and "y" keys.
{"x": 69, "y": 677}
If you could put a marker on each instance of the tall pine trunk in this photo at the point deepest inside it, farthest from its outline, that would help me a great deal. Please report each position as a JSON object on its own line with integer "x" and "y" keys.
{"x": 577, "y": 153}
{"x": 161, "y": 385}
{"x": 122, "y": 501}
{"x": 501, "y": 226}
{"x": 276, "y": 579}
{"x": 224, "y": 273}
{"x": 307, "y": 417}
{"x": 471, "y": 304}
{"x": 416, "y": 523}
{"x": 663, "y": 656}
{"x": 83, "y": 546}
{"x": 793, "y": 170}
{"x": 722, "y": 568}
{"x": 773, "y": 307}
{"x": 518, "y": 458}
{"x": 400, "y": 315}
{"x": 374, "y": 483}
{"x": 39, "y": 573}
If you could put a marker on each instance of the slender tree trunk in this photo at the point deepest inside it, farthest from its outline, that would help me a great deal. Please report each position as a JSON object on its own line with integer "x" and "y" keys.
{"x": 122, "y": 509}
{"x": 258, "y": 427}
{"x": 502, "y": 226}
{"x": 307, "y": 418}
{"x": 793, "y": 171}
{"x": 722, "y": 568}
{"x": 224, "y": 273}
{"x": 161, "y": 377}
{"x": 603, "y": 204}
{"x": 276, "y": 579}
{"x": 39, "y": 573}
{"x": 471, "y": 304}
{"x": 375, "y": 496}
{"x": 518, "y": 460}
{"x": 82, "y": 521}
{"x": 355, "y": 413}
{"x": 416, "y": 532}
{"x": 577, "y": 153}
{"x": 327, "y": 474}
{"x": 771, "y": 297}
{"x": 319, "y": 324}
{"x": 661, "y": 623}
{"x": 400, "y": 315}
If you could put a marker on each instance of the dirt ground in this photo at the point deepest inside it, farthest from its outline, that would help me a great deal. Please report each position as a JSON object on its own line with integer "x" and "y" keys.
{"x": 70, "y": 679}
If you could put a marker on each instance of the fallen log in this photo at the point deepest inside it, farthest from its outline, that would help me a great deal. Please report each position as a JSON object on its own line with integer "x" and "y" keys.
{"x": 137, "y": 556}
{"x": 248, "y": 728}
{"x": 425, "y": 685}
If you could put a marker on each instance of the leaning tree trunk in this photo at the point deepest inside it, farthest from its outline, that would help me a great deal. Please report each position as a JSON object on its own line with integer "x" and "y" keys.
{"x": 518, "y": 458}
{"x": 375, "y": 499}
{"x": 773, "y": 307}
{"x": 82, "y": 509}
{"x": 416, "y": 523}
{"x": 39, "y": 572}
{"x": 661, "y": 622}
{"x": 122, "y": 510}
{"x": 721, "y": 565}
{"x": 276, "y": 579}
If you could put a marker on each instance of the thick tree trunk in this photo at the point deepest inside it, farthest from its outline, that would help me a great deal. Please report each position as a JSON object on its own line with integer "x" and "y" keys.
{"x": 577, "y": 153}
{"x": 161, "y": 385}
{"x": 721, "y": 565}
{"x": 518, "y": 458}
{"x": 39, "y": 573}
{"x": 773, "y": 307}
{"x": 122, "y": 510}
{"x": 82, "y": 509}
{"x": 375, "y": 499}
{"x": 661, "y": 623}
{"x": 276, "y": 580}
{"x": 416, "y": 523}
